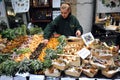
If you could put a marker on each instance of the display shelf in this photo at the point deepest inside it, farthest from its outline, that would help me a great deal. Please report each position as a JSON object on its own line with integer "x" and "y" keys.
{"x": 40, "y": 21}
{"x": 47, "y": 6}
{"x": 108, "y": 36}
{"x": 40, "y": 11}
{"x": 43, "y": 77}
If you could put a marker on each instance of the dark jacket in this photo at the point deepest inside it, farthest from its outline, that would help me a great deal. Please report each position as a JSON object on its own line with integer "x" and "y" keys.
{"x": 63, "y": 26}
{"x": 117, "y": 41}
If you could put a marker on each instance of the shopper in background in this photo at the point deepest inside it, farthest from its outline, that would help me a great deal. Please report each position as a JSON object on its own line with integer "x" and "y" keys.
{"x": 64, "y": 24}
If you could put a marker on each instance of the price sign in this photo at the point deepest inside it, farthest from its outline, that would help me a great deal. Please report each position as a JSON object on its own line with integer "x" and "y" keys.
{"x": 83, "y": 53}
{"x": 20, "y": 6}
{"x": 37, "y": 77}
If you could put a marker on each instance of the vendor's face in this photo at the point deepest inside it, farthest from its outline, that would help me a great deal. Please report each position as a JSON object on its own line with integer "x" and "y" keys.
{"x": 65, "y": 13}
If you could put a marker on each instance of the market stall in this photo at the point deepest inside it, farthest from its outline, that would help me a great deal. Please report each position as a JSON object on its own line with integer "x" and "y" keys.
{"x": 22, "y": 53}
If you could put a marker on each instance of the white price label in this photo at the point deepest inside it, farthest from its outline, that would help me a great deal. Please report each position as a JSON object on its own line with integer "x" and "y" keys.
{"x": 88, "y": 38}
{"x": 87, "y": 79}
{"x": 37, "y": 77}
{"x": 68, "y": 78}
{"x": 23, "y": 74}
{"x": 83, "y": 53}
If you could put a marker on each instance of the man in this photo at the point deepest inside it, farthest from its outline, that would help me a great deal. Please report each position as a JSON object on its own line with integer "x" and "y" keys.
{"x": 64, "y": 24}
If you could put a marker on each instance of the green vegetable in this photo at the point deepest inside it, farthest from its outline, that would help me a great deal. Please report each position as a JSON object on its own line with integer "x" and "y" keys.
{"x": 24, "y": 29}
{"x": 36, "y": 65}
{"x": 35, "y": 30}
{"x": 24, "y": 66}
{"x": 10, "y": 34}
{"x": 8, "y": 67}
{"x": 47, "y": 63}
{"x": 28, "y": 65}
{"x": 51, "y": 54}
{"x": 62, "y": 40}
{"x": 4, "y": 57}
{"x": 59, "y": 49}
{"x": 23, "y": 50}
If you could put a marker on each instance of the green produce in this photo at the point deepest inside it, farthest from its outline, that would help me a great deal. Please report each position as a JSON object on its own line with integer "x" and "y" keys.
{"x": 34, "y": 30}
{"x": 51, "y": 54}
{"x": 10, "y": 34}
{"x": 62, "y": 40}
{"x": 47, "y": 63}
{"x": 8, "y": 67}
{"x": 36, "y": 65}
{"x": 4, "y": 57}
{"x": 59, "y": 49}
{"x": 23, "y": 66}
{"x": 23, "y": 50}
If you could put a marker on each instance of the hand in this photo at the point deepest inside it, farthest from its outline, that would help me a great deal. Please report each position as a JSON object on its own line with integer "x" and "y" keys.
{"x": 78, "y": 33}
{"x": 45, "y": 41}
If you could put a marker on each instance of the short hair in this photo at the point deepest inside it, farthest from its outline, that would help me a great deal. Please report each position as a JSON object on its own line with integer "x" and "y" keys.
{"x": 65, "y": 5}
